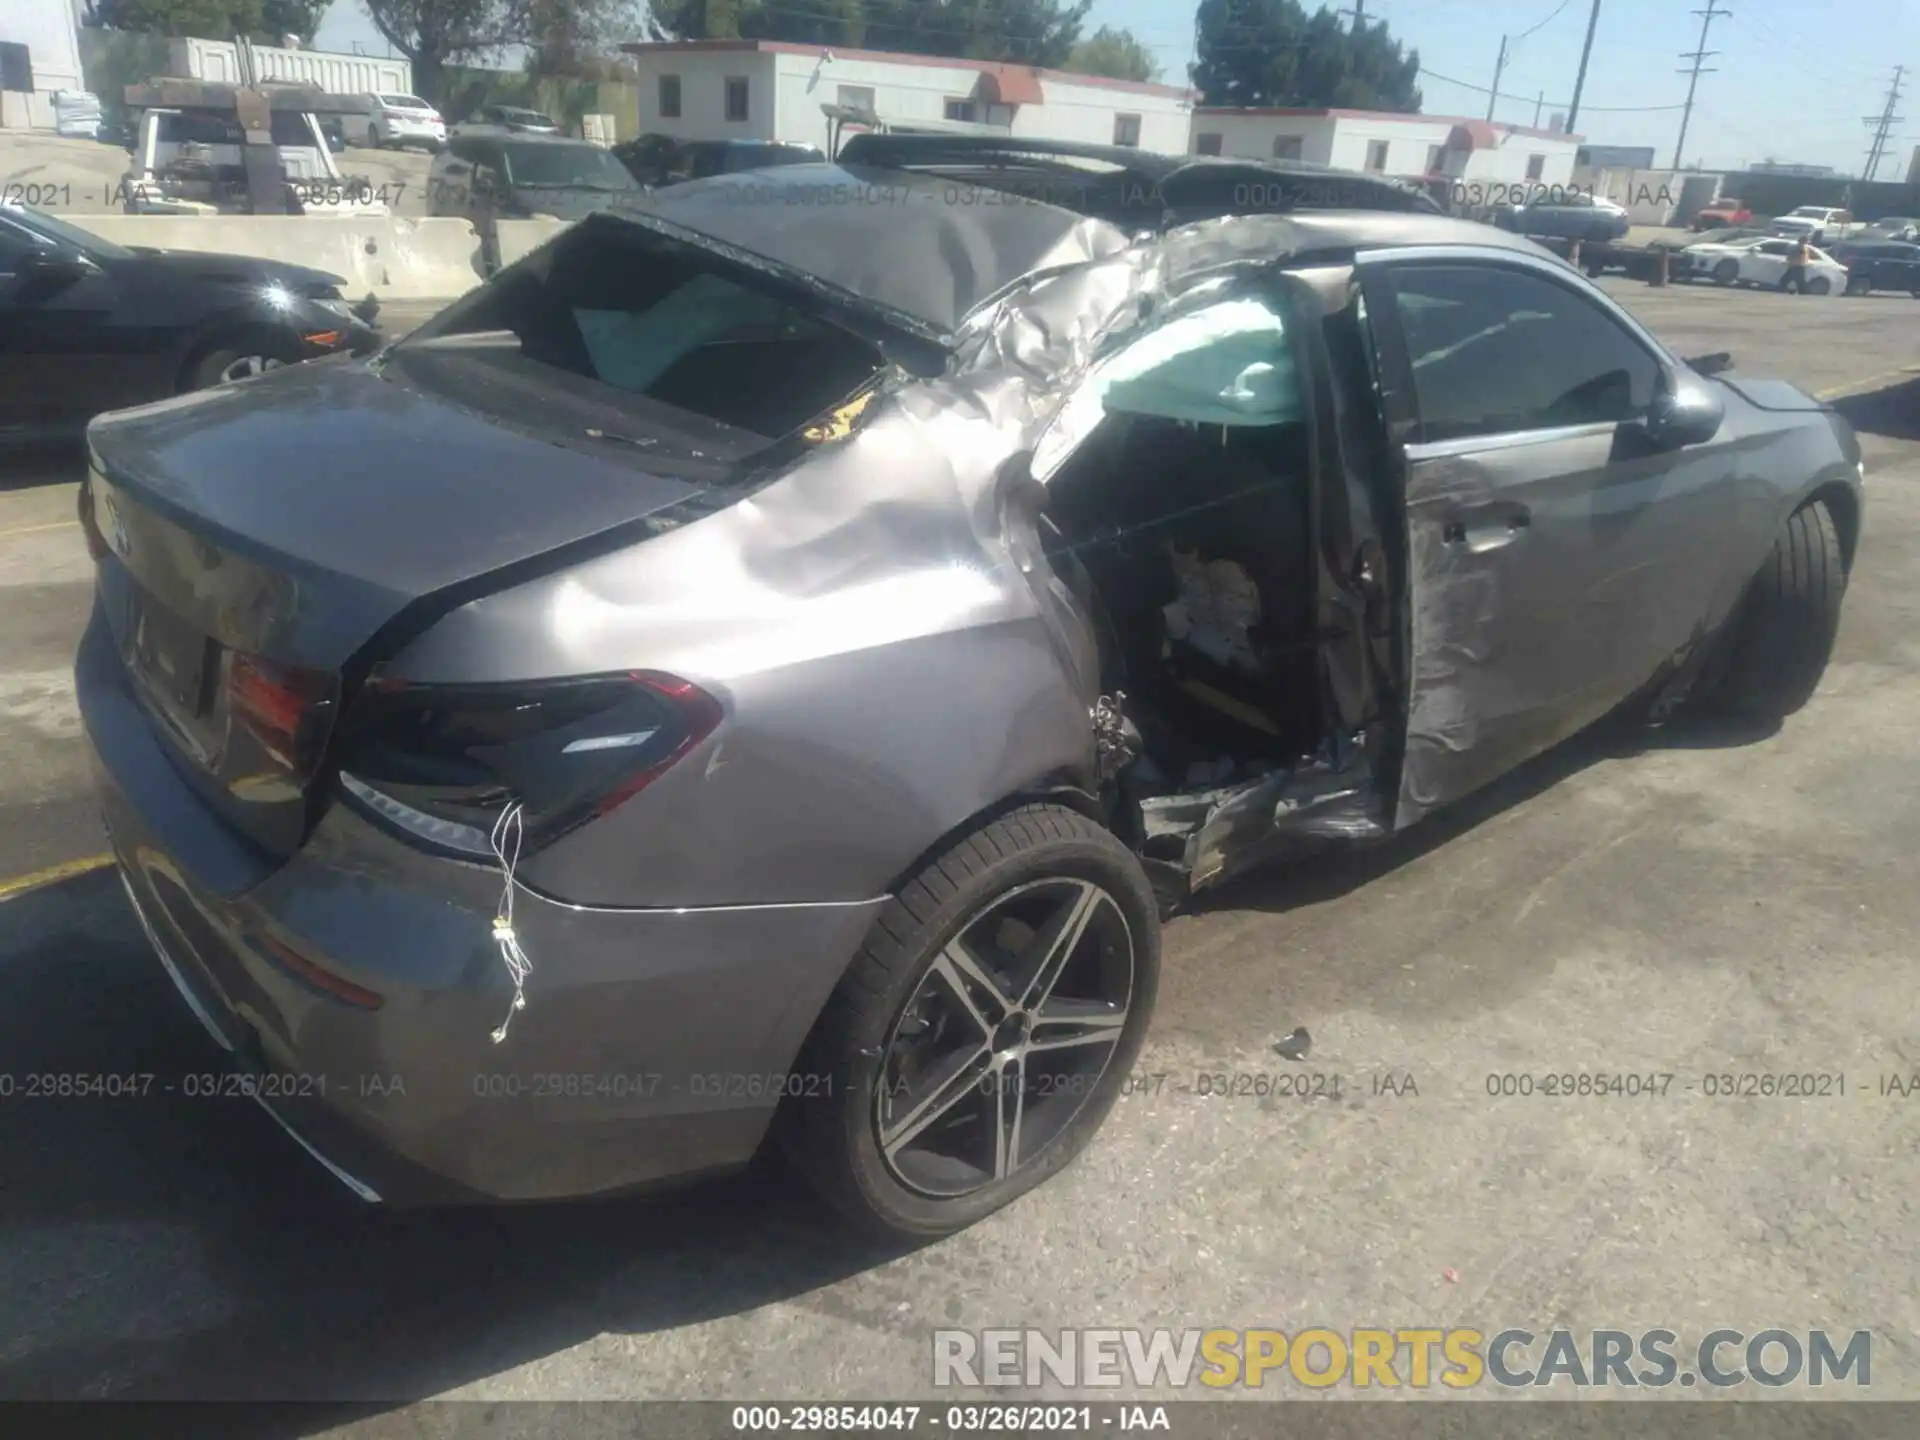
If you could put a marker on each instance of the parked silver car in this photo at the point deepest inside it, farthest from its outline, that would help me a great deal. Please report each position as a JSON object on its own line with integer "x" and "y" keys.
{"x": 763, "y": 664}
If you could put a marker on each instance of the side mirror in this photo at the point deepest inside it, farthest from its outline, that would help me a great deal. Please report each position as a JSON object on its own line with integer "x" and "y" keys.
{"x": 52, "y": 269}
{"x": 1688, "y": 411}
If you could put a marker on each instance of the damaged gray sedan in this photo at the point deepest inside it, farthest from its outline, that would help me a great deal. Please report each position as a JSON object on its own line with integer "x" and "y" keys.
{"x": 763, "y": 666}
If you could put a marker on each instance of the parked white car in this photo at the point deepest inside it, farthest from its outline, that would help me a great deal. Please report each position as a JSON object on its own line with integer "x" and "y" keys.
{"x": 1760, "y": 262}
{"x": 1822, "y": 224}
{"x": 397, "y": 121}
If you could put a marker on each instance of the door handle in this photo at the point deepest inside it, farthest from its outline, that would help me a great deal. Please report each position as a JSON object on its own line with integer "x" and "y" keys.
{"x": 1488, "y": 531}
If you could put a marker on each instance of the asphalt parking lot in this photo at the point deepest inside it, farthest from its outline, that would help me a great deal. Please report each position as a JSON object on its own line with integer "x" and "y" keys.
{"x": 1703, "y": 903}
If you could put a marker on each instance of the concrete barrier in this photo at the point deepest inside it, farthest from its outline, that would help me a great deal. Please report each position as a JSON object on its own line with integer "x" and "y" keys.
{"x": 523, "y": 237}
{"x": 431, "y": 259}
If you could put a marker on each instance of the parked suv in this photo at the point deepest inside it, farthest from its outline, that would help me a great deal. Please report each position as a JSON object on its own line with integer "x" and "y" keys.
{"x": 509, "y": 176}
{"x": 397, "y": 121}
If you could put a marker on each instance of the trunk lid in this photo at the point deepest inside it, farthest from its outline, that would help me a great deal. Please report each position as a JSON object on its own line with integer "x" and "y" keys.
{"x": 262, "y": 535}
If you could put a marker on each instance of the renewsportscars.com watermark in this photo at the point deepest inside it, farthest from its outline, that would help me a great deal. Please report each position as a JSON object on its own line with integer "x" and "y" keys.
{"x": 1395, "y": 1358}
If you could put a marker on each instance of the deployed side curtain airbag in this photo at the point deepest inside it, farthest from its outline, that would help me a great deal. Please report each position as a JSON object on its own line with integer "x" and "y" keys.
{"x": 1225, "y": 365}
{"x": 631, "y": 350}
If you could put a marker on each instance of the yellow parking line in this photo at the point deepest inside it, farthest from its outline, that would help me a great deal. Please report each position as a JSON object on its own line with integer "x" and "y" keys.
{"x": 36, "y": 529}
{"x": 66, "y": 870}
{"x": 1885, "y": 375}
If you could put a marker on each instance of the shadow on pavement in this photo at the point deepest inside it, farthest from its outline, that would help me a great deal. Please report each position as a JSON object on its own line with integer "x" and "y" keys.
{"x": 171, "y": 1248}
{"x": 24, "y": 466}
{"x": 1893, "y": 411}
{"x": 1330, "y": 871}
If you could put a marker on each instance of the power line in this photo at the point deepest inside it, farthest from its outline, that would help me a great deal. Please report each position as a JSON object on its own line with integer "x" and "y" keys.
{"x": 1426, "y": 74}
{"x": 1524, "y": 33}
{"x": 1707, "y": 17}
{"x": 1883, "y": 122}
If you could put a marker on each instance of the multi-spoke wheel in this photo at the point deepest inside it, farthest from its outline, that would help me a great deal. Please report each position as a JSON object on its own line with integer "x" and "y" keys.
{"x": 985, "y": 1029}
{"x": 241, "y": 357}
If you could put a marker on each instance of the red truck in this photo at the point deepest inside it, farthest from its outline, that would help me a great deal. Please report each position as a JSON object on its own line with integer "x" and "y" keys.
{"x": 1721, "y": 214}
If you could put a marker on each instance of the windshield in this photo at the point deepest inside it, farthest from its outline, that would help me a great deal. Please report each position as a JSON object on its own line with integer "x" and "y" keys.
{"x": 60, "y": 231}
{"x": 1810, "y": 212}
{"x": 586, "y": 167}
{"x": 525, "y": 117}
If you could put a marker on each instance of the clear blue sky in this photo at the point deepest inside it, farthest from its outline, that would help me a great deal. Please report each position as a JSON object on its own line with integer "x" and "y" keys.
{"x": 1793, "y": 80}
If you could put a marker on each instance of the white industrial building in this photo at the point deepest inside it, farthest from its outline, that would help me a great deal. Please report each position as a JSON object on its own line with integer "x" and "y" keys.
{"x": 772, "y": 90}
{"x": 49, "y": 32}
{"x": 1413, "y": 147}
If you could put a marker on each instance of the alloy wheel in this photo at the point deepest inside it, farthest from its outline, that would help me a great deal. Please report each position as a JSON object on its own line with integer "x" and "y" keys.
{"x": 1005, "y": 1039}
{"x": 245, "y": 367}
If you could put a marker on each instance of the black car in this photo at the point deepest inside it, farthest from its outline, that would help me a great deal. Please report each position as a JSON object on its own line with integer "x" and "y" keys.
{"x": 663, "y": 160}
{"x": 1879, "y": 265}
{"x": 87, "y": 325}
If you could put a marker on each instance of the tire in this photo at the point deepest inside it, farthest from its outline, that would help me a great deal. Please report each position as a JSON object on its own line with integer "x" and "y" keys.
{"x": 234, "y": 357}
{"x": 1819, "y": 285}
{"x": 1726, "y": 272}
{"x": 897, "y": 1004}
{"x": 1784, "y": 630}
{"x": 1859, "y": 285}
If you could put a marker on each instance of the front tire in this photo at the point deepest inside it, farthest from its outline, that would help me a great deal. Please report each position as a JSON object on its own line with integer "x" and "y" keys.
{"x": 1784, "y": 630}
{"x": 236, "y": 358}
{"x": 984, "y": 1030}
{"x": 1726, "y": 272}
{"x": 1819, "y": 285}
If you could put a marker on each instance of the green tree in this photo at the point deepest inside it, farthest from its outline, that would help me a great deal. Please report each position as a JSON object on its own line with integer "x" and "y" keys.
{"x": 1029, "y": 32}
{"x": 265, "y": 21}
{"x": 1115, "y": 54}
{"x": 1271, "y": 52}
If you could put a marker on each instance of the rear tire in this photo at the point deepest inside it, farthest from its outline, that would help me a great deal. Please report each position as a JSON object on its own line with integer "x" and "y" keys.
{"x": 1784, "y": 630}
{"x": 1859, "y": 285}
{"x": 1819, "y": 285}
{"x": 895, "y": 1016}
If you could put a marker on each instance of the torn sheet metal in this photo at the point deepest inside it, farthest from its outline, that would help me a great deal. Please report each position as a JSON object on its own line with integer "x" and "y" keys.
{"x": 941, "y": 254}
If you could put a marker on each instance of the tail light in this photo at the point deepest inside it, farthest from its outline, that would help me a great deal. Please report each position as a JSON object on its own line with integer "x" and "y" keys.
{"x": 285, "y": 709}
{"x": 442, "y": 763}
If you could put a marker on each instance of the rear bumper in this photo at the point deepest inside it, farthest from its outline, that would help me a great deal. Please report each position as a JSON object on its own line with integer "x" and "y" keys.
{"x": 654, "y": 1044}
{"x": 399, "y": 129}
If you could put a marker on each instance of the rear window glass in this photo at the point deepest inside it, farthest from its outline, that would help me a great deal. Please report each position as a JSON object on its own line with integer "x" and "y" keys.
{"x": 287, "y": 127}
{"x": 623, "y": 319}
{"x": 566, "y": 165}
{"x": 405, "y": 102}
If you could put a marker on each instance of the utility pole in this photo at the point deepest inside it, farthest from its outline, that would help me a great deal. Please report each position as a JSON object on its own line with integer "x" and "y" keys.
{"x": 1499, "y": 67}
{"x": 1580, "y": 80}
{"x": 1883, "y": 123}
{"x": 1707, "y": 17}
{"x": 1538, "y": 105}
